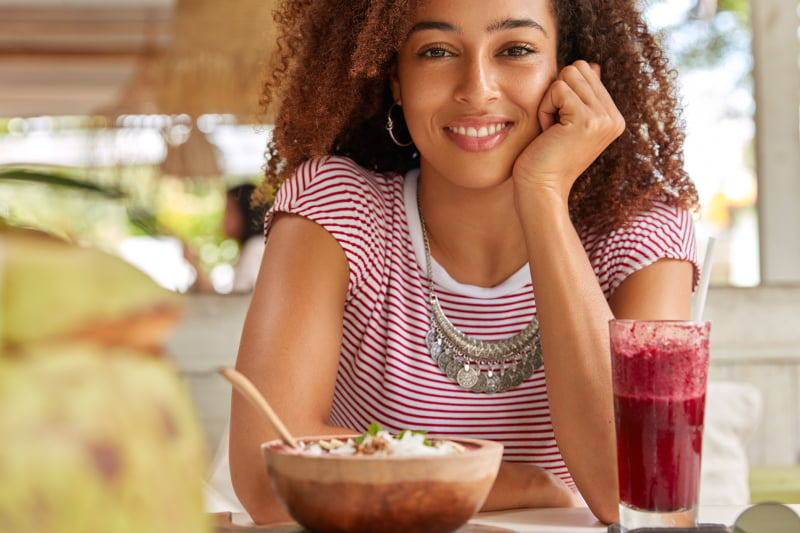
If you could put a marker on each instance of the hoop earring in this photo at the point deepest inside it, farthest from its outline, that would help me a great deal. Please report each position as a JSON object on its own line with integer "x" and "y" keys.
{"x": 390, "y": 128}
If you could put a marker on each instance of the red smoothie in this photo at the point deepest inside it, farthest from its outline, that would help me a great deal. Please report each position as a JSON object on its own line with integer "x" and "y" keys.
{"x": 659, "y": 375}
{"x": 659, "y": 451}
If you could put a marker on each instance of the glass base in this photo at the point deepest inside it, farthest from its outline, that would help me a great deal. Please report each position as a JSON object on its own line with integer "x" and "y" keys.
{"x": 631, "y": 518}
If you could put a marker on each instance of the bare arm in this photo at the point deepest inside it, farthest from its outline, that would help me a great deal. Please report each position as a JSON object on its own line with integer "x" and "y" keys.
{"x": 659, "y": 291}
{"x": 580, "y": 120}
{"x": 573, "y": 315}
{"x": 289, "y": 349}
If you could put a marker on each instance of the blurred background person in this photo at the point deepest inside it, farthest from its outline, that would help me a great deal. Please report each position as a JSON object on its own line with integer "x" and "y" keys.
{"x": 244, "y": 223}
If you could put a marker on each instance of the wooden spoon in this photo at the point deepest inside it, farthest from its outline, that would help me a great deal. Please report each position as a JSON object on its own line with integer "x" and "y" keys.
{"x": 249, "y": 391}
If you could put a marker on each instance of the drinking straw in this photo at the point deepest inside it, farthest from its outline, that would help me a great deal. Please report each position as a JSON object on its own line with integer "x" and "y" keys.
{"x": 699, "y": 301}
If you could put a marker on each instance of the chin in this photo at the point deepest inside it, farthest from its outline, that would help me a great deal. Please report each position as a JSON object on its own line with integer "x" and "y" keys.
{"x": 482, "y": 176}
{"x": 471, "y": 170}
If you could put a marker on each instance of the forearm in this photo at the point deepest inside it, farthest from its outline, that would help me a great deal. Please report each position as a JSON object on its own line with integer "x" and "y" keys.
{"x": 520, "y": 485}
{"x": 248, "y": 470}
{"x": 573, "y": 317}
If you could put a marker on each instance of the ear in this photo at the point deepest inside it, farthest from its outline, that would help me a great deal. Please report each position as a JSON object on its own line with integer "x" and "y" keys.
{"x": 394, "y": 82}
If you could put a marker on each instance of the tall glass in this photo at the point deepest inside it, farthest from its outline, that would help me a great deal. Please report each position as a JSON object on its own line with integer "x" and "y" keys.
{"x": 659, "y": 371}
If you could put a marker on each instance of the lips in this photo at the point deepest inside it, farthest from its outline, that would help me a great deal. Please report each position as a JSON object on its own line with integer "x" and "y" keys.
{"x": 479, "y": 131}
{"x": 478, "y": 136}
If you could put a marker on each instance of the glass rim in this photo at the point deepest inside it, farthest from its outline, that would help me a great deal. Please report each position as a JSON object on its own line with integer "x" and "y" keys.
{"x": 658, "y": 321}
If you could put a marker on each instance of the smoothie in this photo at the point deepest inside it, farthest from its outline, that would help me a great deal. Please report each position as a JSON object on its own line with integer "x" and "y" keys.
{"x": 659, "y": 451}
{"x": 659, "y": 376}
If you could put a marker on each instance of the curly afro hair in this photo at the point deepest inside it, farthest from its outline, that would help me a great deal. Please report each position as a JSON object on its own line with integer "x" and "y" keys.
{"x": 329, "y": 87}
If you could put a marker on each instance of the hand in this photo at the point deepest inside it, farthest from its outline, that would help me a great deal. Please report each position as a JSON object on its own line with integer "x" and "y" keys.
{"x": 520, "y": 485}
{"x": 579, "y": 120}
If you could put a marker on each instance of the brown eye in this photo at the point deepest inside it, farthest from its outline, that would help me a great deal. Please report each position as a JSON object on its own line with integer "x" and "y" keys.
{"x": 518, "y": 51}
{"x": 434, "y": 52}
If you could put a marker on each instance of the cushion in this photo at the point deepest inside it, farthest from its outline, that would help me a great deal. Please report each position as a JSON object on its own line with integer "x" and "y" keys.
{"x": 733, "y": 411}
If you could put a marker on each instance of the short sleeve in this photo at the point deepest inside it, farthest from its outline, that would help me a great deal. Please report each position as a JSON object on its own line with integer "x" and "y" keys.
{"x": 664, "y": 232}
{"x": 346, "y": 201}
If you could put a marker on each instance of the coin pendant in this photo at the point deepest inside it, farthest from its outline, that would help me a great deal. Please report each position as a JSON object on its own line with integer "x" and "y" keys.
{"x": 506, "y": 381}
{"x": 517, "y": 377}
{"x": 467, "y": 377}
{"x": 436, "y": 350}
{"x": 452, "y": 370}
{"x": 527, "y": 369}
{"x": 493, "y": 384}
{"x": 480, "y": 384}
{"x": 431, "y": 338}
{"x": 443, "y": 360}
{"x": 538, "y": 360}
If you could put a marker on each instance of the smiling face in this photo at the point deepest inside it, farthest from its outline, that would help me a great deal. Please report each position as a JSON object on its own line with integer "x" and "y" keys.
{"x": 470, "y": 77}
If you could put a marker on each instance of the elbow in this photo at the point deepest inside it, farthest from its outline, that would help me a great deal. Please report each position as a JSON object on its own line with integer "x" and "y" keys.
{"x": 256, "y": 495}
{"x": 602, "y": 499}
{"x": 262, "y": 505}
{"x": 605, "y": 508}
{"x": 607, "y": 514}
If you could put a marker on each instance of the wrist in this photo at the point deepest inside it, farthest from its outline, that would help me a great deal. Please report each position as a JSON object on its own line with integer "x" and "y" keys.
{"x": 540, "y": 198}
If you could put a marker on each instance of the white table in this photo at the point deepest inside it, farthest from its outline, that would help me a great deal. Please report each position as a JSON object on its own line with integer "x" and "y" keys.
{"x": 580, "y": 519}
{"x": 562, "y": 520}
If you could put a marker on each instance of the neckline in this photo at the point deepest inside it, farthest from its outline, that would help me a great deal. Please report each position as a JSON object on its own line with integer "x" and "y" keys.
{"x": 443, "y": 279}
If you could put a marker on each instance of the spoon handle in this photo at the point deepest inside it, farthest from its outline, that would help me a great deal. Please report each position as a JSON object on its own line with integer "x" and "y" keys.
{"x": 249, "y": 391}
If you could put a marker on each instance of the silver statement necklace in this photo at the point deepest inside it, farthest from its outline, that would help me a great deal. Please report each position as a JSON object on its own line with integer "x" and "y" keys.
{"x": 478, "y": 365}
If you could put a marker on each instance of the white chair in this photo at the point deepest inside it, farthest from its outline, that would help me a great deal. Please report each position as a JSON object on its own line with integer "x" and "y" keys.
{"x": 219, "y": 494}
{"x": 733, "y": 412}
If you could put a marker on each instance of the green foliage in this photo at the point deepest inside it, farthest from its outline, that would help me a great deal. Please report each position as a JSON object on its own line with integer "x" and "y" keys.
{"x": 103, "y": 206}
{"x": 56, "y": 178}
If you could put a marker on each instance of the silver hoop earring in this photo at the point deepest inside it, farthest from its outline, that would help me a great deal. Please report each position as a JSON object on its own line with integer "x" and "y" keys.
{"x": 390, "y": 127}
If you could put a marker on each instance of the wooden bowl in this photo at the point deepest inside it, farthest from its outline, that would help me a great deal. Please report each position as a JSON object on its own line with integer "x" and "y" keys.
{"x": 369, "y": 494}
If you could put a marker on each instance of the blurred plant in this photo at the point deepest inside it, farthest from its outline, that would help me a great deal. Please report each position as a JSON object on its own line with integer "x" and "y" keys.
{"x": 106, "y": 206}
{"x": 51, "y": 175}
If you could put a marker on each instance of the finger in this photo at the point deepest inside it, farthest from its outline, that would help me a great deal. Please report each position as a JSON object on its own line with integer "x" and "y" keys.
{"x": 583, "y": 81}
{"x": 556, "y": 103}
{"x": 559, "y": 104}
{"x": 599, "y": 96}
{"x": 548, "y": 109}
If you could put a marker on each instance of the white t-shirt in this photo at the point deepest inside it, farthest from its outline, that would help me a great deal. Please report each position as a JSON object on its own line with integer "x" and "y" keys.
{"x": 246, "y": 268}
{"x": 385, "y": 371}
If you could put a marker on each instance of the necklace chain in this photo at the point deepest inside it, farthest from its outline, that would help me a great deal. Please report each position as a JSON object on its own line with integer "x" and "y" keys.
{"x": 478, "y": 365}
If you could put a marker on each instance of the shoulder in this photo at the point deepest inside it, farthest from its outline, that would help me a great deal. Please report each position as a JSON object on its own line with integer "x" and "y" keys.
{"x": 335, "y": 185}
{"x": 662, "y": 232}
{"x": 337, "y": 174}
{"x": 667, "y": 223}
{"x": 358, "y": 207}
{"x": 662, "y": 221}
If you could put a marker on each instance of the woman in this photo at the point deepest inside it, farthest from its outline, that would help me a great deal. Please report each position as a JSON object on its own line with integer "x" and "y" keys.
{"x": 529, "y": 187}
{"x": 242, "y": 222}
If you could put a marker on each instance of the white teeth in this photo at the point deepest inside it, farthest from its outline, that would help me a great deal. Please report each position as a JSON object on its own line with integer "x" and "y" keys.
{"x": 483, "y": 131}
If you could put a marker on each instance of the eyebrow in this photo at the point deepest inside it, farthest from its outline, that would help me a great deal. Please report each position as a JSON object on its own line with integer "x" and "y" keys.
{"x": 512, "y": 24}
{"x": 505, "y": 24}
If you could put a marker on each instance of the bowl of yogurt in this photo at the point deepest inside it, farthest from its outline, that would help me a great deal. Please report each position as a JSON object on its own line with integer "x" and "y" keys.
{"x": 379, "y": 482}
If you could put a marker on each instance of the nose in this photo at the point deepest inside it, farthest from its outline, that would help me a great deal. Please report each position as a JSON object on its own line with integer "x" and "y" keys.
{"x": 478, "y": 81}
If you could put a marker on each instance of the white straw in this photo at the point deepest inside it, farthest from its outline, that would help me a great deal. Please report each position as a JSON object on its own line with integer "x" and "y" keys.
{"x": 699, "y": 301}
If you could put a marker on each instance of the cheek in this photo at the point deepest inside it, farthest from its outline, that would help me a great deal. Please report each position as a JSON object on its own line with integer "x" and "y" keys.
{"x": 530, "y": 89}
{"x": 421, "y": 103}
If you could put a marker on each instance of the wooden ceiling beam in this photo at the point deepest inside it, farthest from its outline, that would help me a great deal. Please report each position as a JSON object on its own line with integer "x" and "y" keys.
{"x": 104, "y": 30}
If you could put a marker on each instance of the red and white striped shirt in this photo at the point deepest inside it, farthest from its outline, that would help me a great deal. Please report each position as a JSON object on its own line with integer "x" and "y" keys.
{"x": 385, "y": 372}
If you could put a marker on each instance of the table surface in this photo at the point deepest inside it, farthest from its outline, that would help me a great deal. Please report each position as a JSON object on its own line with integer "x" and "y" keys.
{"x": 560, "y": 520}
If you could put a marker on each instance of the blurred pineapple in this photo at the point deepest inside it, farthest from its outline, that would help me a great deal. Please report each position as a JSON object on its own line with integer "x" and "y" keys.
{"x": 97, "y": 432}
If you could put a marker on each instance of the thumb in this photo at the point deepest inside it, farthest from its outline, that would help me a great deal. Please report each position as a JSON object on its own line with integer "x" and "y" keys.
{"x": 548, "y": 110}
